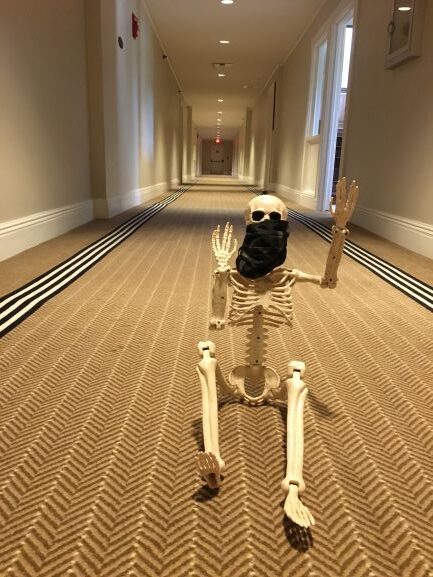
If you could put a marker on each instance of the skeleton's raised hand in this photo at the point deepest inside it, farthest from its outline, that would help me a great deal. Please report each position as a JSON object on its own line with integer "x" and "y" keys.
{"x": 345, "y": 202}
{"x": 222, "y": 248}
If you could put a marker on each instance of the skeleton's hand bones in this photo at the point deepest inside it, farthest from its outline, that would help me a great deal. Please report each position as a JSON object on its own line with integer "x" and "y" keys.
{"x": 222, "y": 249}
{"x": 345, "y": 203}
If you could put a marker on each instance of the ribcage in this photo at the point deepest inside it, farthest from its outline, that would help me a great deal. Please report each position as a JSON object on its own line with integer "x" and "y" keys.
{"x": 272, "y": 293}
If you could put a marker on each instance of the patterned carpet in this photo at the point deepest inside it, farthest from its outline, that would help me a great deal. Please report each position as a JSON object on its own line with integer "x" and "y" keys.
{"x": 100, "y": 416}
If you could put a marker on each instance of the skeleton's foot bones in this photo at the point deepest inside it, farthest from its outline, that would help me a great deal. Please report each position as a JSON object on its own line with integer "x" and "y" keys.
{"x": 210, "y": 467}
{"x": 295, "y": 509}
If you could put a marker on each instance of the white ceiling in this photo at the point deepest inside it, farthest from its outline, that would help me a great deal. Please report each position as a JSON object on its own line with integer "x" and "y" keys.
{"x": 261, "y": 34}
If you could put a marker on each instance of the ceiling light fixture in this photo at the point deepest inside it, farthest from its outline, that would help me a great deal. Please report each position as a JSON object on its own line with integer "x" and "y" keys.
{"x": 404, "y": 8}
{"x": 220, "y": 100}
{"x": 245, "y": 86}
{"x": 219, "y": 112}
{"x": 220, "y": 74}
{"x": 226, "y": 1}
{"x": 224, "y": 41}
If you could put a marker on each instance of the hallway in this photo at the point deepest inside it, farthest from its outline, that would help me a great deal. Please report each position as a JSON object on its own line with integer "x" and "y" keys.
{"x": 130, "y": 129}
{"x": 100, "y": 410}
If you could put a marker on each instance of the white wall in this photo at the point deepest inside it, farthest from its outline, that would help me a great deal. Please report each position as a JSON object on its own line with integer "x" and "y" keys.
{"x": 389, "y": 141}
{"x": 260, "y": 122}
{"x": 141, "y": 110}
{"x": 44, "y": 143}
{"x": 389, "y": 135}
{"x": 187, "y": 144}
{"x": 293, "y": 79}
{"x": 87, "y": 128}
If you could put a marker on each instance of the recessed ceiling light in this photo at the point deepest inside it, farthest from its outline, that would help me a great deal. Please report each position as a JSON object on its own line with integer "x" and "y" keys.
{"x": 226, "y": 1}
{"x": 219, "y": 112}
{"x": 224, "y": 41}
{"x": 404, "y": 8}
{"x": 220, "y": 100}
{"x": 220, "y": 74}
{"x": 245, "y": 86}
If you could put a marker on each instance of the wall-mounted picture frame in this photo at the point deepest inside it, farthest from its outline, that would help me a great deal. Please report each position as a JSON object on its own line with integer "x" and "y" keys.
{"x": 405, "y": 31}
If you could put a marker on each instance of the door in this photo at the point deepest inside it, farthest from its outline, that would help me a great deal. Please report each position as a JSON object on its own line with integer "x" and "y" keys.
{"x": 335, "y": 106}
{"x": 314, "y": 130}
{"x": 216, "y": 159}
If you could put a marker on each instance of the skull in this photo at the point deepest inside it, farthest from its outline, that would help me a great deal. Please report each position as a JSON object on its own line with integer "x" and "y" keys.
{"x": 265, "y": 207}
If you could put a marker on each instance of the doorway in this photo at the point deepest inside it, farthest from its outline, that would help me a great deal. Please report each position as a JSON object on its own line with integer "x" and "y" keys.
{"x": 335, "y": 100}
{"x": 216, "y": 158}
{"x": 342, "y": 98}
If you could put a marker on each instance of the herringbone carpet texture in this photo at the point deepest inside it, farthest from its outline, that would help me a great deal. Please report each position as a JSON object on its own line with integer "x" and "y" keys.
{"x": 100, "y": 421}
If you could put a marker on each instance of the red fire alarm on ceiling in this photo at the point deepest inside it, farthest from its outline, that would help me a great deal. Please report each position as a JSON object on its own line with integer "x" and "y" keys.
{"x": 135, "y": 27}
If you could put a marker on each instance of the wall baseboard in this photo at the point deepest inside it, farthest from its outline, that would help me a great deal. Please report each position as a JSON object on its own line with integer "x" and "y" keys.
{"x": 304, "y": 198}
{"x": 411, "y": 234}
{"x": 109, "y": 207}
{"x": 23, "y": 233}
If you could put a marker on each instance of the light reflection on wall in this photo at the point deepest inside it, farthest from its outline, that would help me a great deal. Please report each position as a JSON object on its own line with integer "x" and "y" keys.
{"x": 252, "y": 164}
{"x": 146, "y": 94}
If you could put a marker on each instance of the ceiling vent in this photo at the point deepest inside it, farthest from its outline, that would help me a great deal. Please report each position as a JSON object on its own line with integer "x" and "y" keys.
{"x": 220, "y": 65}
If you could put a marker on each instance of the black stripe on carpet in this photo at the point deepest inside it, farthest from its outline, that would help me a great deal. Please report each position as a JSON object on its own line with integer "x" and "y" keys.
{"x": 412, "y": 287}
{"x": 22, "y": 302}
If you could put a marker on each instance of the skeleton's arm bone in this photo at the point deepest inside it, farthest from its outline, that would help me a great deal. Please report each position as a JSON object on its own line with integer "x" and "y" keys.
{"x": 305, "y": 277}
{"x": 334, "y": 256}
{"x": 345, "y": 202}
{"x": 219, "y": 298}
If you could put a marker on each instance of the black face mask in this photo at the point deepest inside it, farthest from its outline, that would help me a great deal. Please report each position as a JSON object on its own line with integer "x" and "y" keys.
{"x": 264, "y": 248}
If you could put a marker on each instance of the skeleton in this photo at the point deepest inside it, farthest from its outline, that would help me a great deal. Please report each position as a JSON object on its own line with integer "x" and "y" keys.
{"x": 261, "y": 304}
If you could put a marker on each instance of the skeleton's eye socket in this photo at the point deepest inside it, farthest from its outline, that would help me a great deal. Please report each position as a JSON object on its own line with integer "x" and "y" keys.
{"x": 275, "y": 216}
{"x": 257, "y": 215}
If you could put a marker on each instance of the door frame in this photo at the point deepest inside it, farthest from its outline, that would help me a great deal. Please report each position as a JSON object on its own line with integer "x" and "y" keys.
{"x": 340, "y": 19}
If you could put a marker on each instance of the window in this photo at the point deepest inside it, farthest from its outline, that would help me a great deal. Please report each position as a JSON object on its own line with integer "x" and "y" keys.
{"x": 346, "y": 57}
{"x": 319, "y": 88}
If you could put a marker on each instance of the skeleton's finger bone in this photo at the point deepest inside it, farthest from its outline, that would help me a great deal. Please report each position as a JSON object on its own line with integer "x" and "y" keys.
{"x": 229, "y": 237}
{"x": 225, "y": 236}
{"x": 352, "y": 197}
{"x": 217, "y": 238}
{"x": 338, "y": 193}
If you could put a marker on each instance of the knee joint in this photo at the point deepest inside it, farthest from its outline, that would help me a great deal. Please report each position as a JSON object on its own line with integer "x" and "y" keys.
{"x": 206, "y": 348}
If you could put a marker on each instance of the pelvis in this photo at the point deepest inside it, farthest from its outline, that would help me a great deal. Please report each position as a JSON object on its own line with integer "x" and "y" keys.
{"x": 255, "y": 377}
